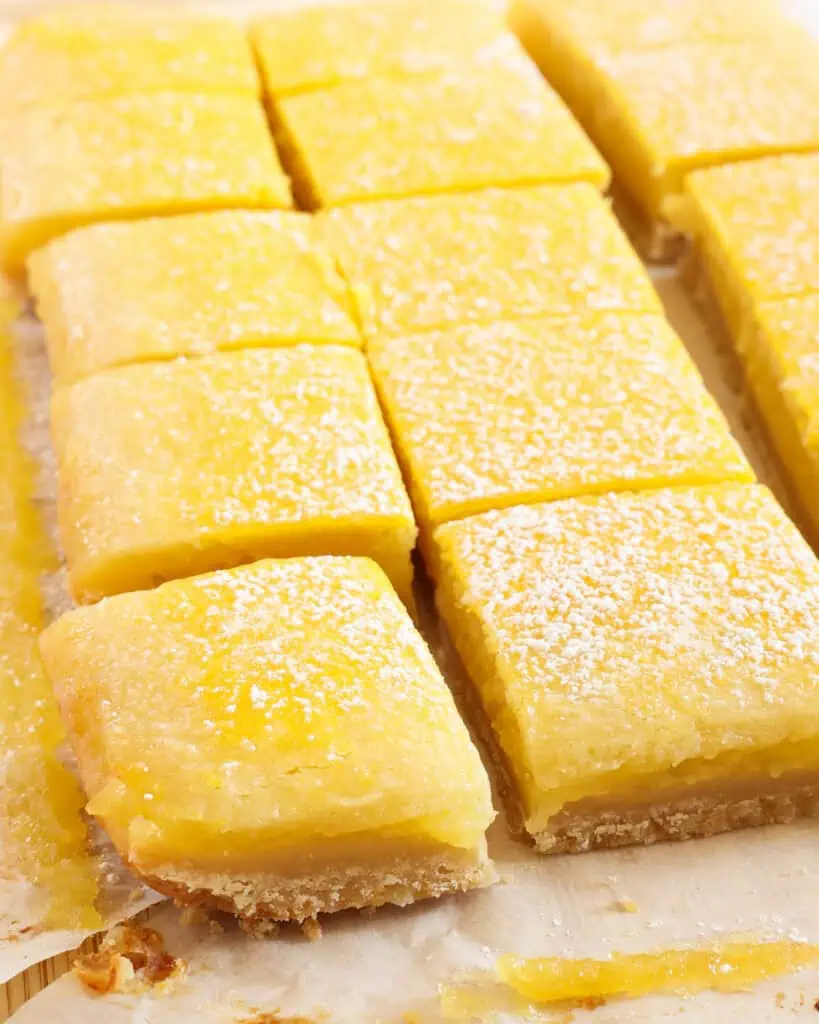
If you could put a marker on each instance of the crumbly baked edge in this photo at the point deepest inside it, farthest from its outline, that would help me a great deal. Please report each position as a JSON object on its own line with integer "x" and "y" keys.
{"x": 692, "y": 815}
{"x": 260, "y": 899}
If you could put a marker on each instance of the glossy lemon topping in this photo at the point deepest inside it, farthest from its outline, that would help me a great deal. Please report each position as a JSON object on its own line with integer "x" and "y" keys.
{"x": 730, "y": 967}
{"x": 439, "y": 261}
{"x": 486, "y": 416}
{"x": 112, "y": 294}
{"x": 226, "y": 718}
{"x": 314, "y": 46}
{"x": 630, "y": 645}
{"x": 168, "y": 469}
{"x": 89, "y": 52}
{"x": 131, "y": 156}
{"x": 495, "y": 123}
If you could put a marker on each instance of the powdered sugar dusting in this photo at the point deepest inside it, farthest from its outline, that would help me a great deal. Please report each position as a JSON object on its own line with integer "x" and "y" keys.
{"x": 752, "y": 97}
{"x": 762, "y": 218}
{"x": 228, "y": 450}
{"x": 127, "y": 292}
{"x": 439, "y": 261}
{"x": 97, "y": 51}
{"x": 642, "y": 630}
{"x": 309, "y": 46}
{"x": 137, "y": 154}
{"x": 489, "y": 416}
{"x": 497, "y": 123}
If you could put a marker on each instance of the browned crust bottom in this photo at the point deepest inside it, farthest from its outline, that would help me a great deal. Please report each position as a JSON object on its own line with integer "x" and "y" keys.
{"x": 766, "y": 802}
{"x": 263, "y": 898}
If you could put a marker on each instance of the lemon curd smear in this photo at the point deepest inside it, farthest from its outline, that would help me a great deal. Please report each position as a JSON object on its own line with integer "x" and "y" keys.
{"x": 728, "y": 967}
{"x": 42, "y": 833}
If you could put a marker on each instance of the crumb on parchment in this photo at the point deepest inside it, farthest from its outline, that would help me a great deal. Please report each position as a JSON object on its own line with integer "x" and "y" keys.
{"x": 129, "y": 958}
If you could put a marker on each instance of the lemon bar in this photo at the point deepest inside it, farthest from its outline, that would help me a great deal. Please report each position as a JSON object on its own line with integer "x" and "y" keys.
{"x": 756, "y": 231}
{"x": 438, "y": 261}
{"x": 112, "y": 294}
{"x": 319, "y": 45}
{"x": 128, "y": 157}
{"x": 779, "y": 350}
{"x": 646, "y": 663}
{"x": 658, "y": 113}
{"x": 91, "y": 52}
{"x": 275, "y": 740}
{"x": 170, "y": 469}
{"x": 473, "y": 126}
{"x": 564, "y": 34}
{"x": 487, "y": 416}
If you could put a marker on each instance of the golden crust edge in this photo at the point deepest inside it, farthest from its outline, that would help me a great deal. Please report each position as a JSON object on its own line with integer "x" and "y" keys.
{"x": 261, "y": 899}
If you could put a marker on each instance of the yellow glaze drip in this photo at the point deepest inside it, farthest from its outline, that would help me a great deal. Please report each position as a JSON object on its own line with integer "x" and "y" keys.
{"x": 42, "y": 833}
{"x": 730, "y": 967}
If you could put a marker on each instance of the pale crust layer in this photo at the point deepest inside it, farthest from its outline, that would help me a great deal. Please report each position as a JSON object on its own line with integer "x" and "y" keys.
{"x": 688, "y": 814}
{"x": 262, "y": 898}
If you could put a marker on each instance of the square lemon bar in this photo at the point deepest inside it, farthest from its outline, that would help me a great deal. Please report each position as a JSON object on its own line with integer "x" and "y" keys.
{"x": 175, "y": 468}
{"x": 438, "y": 261}
{"x": 475, "y": 125}
{"x": 779, "y": 349}
{"x": 275, "y": 740}
{"x": 658, "y": 113}
{"x": 756, "y": 231}
{"x": 319, "y": 45}
{"x": 128, "y": 292}
{"x": 91, "y": 52}
{"x": 128, "y": 157}
{"x": 487, "y": 416}
{"x": 646, "y": 663}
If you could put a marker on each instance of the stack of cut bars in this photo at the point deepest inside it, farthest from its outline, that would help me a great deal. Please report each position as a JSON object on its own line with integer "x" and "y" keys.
{"x": 631, "y": 606}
